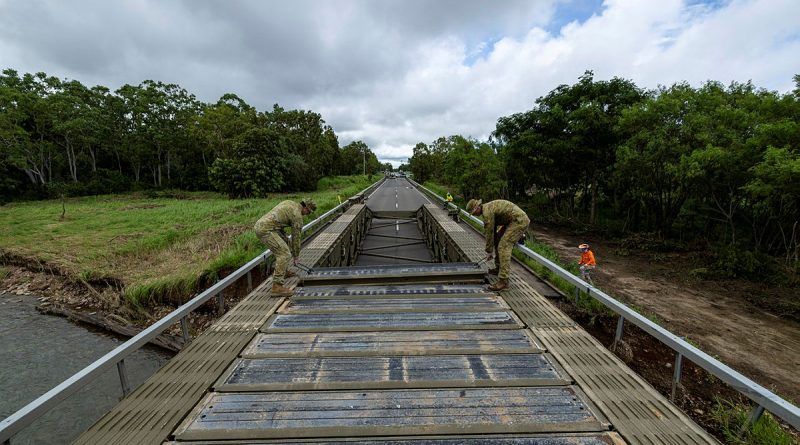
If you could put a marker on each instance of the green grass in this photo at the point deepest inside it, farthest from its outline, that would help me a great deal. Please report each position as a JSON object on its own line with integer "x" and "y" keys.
{"x": 159, "y": 244}
{"x": 731, "y": 416}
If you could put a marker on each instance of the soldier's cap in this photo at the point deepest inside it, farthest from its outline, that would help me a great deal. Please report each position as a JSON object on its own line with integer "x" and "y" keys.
{"x": 309, "y": 203}
{"x": 473, "y": 204}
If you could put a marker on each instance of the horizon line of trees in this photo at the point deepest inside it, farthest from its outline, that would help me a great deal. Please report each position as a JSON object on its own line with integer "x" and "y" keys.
{"x": 59, "y": 137}
{"x": 714, "y": 165}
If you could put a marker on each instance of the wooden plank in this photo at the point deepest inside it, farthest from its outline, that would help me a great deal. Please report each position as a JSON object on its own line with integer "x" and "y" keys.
{"x": 386, "y": 343}
{"x": 372, "y": 413}
{"x": 347, "y": 322}
{"x": 387, "y": 372}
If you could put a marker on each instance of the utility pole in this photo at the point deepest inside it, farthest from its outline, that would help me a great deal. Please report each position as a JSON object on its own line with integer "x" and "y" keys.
{"x": 364, "y": 150}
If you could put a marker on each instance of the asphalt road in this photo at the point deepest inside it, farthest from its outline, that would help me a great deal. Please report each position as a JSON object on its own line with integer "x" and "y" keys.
{"x": 394, "y": 240}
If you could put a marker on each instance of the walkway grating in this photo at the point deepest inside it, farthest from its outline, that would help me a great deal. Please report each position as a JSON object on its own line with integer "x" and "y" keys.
{"x": 389, "y": 412}
{"x": 385, "y": 372}
{"x": 327, "y": 344}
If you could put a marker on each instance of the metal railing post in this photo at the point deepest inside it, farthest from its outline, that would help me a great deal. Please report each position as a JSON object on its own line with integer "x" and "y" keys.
{"x": 755, "y": 414}
{"x": 249, "y": 281}
{"x": 676, "y": 375}
{"x": 220, "y": 303}
{"x": 123, "y": 377}
{"x": 185, "y": 331}
{"x": 577, "y": 295}
{"x": 618, "y": 334}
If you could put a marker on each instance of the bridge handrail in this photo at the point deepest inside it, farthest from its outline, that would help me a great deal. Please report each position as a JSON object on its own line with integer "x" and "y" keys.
{"x": 752, "y": 390}
{"x": 19, "y": 420}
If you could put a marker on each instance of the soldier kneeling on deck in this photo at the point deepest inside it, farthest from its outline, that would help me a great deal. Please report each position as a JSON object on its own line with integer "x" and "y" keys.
{"x": 269, "y": 229}
{"x": 514, "y": 221}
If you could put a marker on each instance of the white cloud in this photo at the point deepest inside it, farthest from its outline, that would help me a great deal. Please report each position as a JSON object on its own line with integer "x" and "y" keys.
{"x": 394, "y": 73}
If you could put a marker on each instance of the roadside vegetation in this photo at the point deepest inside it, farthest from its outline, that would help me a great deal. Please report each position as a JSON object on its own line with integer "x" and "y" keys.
{"x": 156, "y": 246}
{"x": 60, "y": 138}
{"x": 712, "y": 171}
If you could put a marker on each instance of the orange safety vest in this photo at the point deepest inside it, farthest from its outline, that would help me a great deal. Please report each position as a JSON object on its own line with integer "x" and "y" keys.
{"x": 587, "y": 258}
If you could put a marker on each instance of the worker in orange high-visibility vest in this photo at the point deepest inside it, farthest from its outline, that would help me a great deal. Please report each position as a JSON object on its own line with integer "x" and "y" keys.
{"x": 587, "y": 262}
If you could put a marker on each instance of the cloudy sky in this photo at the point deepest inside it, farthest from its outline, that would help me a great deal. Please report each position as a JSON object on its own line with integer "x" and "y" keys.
{"x": 396, "y": 72}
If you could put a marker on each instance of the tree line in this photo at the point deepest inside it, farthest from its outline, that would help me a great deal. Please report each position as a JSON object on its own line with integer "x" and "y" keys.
{"x": 59, "y": 137}
{"x": 716, "y": 165}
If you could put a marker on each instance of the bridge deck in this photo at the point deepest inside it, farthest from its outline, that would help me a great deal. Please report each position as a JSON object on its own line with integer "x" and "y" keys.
{"x": 352, "y": 371}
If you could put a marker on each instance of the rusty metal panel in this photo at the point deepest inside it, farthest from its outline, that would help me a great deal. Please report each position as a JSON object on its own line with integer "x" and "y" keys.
{"x": 406, "y": 290}
{"x": 387, "y": 372}
{"x": 418, "y": 321}
{"x": 386, "y": 343}
{"x": 396, "y": 304}
{"x": 371, "y": 413}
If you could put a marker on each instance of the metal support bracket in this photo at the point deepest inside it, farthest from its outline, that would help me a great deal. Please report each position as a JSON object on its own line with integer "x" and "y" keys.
{"x": 185, "y": 331}
{"x": 755, "y": 414}
{"x": 618, "y": 334}
{"x": 676, "y": 375}
{"x": 220, "y": 303}
{"x": 123, "y": 378}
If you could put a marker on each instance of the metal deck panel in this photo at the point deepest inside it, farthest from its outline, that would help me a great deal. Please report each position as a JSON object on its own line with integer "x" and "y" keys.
{"x": 408, "y": 290}
{"x": 396, "y": 273}
{"x": 392, "y": 412}
{"x": 513, "y": 341}
{"x": 482, "y": 439}
{"x": 418, "y": 321}
{"x": 387, "y": 372}
{"x": 395, "y": 304}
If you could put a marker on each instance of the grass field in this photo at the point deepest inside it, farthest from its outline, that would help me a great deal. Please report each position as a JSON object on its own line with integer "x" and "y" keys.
{"x": 156, "y": 244}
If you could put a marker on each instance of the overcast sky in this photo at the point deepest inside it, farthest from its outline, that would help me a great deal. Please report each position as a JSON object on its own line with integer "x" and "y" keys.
{"x": 394, "y": 73}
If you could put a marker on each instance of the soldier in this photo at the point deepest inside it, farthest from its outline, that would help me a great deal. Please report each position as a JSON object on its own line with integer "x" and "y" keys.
{"x": 514, "y": 221}
{"x": 269, "y": 229}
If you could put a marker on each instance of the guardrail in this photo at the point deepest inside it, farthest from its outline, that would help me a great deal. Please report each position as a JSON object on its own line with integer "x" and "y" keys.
{"x": 18, "y": 421}
{"x": 762, "y": 397}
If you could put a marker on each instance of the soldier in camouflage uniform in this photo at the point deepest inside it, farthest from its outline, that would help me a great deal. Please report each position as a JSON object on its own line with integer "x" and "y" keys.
{"x": 514, "y": 221}
{"x": 269, "y": 229}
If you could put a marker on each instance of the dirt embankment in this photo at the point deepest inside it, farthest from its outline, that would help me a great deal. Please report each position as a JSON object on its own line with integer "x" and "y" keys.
{"x": 101, "y": 304}
{"x": 715, "y": 315}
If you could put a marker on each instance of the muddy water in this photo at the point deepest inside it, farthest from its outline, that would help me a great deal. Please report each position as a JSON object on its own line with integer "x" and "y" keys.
{"x": 37, "y": 352}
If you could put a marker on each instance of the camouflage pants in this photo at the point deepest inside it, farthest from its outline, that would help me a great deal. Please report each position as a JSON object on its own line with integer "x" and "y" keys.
{"x": 279, "y": 245}
{"x": 504, "y": 243}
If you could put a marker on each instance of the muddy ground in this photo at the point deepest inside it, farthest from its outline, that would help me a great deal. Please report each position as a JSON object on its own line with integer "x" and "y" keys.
{"x": 714, "y": 315}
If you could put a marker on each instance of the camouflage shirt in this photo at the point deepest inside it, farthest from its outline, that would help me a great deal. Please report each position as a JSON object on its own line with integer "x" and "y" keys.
{"x": 500, "y": 213}
{"x": 285, "y": 214}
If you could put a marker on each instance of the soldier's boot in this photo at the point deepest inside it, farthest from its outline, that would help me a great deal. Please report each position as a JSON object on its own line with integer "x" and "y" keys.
{"x": 280, "y": 291}
{"x": 289, "y": 274}
{"x": 494, "y": 270}
{"x": 499, "y": 285}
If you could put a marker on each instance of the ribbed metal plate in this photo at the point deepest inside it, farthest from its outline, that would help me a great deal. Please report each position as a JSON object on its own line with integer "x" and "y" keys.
{"x": 482, "y": 439}
{"x": 511, "y": 341}
{"x": 407, "y": 290}
{"x": 370, "y": 413}
{"x": 396, "y": 273}
{"x": 428, "y": 371}
{"x": 393, "y": 269}
{"x": 395, "y": 304}
{"x": 418, "y": 321}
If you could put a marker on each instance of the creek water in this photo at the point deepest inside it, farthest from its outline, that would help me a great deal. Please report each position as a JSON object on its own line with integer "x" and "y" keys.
{"x": 37, "y": 352}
